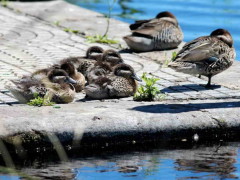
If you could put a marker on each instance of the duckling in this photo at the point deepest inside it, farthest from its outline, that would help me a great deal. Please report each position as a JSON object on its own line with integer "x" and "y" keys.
{"x": 160, "y": 33}
{"x": 74, "y": 74}
{"x": 111, "y": 57}
{"x": 206, "y": 55}
{"x": 55, "y": 87}
{"x": 93, "y": 54}
{"x": 59, "y": 86}
{"x": 99, "y": 69}
{"x": 42, "y": 73}
{"x": 98, "y": 89}
{"x": 122, "y": 83}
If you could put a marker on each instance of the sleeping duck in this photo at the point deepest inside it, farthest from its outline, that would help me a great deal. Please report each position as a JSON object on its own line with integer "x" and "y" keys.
{"x": 93, "y": 54}
{"x": 160, "y": 33}
{"x": 121, "y": 83}
{"x": 56, "y": 86}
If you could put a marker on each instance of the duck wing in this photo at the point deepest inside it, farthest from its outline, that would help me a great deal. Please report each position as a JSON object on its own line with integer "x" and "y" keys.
{"x": 138, "y": 23}
{"x": 160, "y": 29}
{"x": 204, "y": 48}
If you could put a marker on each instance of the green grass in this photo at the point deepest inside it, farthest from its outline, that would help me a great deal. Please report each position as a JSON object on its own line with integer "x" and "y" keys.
{"x": 74, "y": 31}
{"x": 39, "y": 101}
{"x": 57, "y": 23}
{"x": 149, "y": 91}
{"x": 174, "y": 55}
{"x": 167, "y": 61}
{"x": 101, "y": 39}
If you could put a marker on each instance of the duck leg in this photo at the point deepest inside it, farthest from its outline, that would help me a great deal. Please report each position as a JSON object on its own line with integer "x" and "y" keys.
{"x": 208, "y": 85}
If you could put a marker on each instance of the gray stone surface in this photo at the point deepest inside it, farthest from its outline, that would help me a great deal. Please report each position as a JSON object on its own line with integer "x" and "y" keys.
{"x": 29, "y": 40}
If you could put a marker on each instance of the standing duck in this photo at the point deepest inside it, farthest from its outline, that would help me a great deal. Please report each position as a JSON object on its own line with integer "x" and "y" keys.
{"x": 122, "y": 83}
{"x": 160, "y": 33}
{"x": 206, "y": 55}
{"x": 56, "y": 87}
{"x": 93, "y": 54}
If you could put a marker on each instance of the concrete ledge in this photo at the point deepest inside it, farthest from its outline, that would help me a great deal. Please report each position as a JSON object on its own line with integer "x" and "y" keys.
{"x": 116, "y": 122}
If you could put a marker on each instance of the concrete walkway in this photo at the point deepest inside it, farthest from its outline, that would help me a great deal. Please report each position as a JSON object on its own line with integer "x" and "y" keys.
{"x": 29, "y": 40}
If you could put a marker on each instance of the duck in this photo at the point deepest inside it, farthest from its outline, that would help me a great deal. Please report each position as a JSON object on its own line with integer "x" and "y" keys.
{"x": 99, "y": 69}
{"x": 121, "y": 83}
{"x": 74, "y": 74}
{"x": 111, "y": 57}
{"x": 206, "y": 55}
{"x": 104, "y": 66}
{"x": 56, "y": 87}
{"x": 160, "y": 33}
{"x": 93, "y": 54}
{"x": 98, "y": 89}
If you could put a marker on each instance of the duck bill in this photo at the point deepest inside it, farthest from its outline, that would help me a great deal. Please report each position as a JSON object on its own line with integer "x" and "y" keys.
{"x": 70, "y": 80}
{"x": 134, "y": 76}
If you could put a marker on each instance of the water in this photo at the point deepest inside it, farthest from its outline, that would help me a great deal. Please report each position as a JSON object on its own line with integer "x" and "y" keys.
{"x": 185, "y": 161}
{"x": 196, "y": 17}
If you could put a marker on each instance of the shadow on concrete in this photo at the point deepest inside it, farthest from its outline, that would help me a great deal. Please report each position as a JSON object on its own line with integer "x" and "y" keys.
{"x": 188, "y": 88}
{"x": 178, "y": 108}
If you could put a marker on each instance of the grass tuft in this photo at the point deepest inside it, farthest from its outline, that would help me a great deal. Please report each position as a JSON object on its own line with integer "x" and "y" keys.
{"x": 149, "y": 91}
{"x": 101, "y": 39}
{"x": 39, "y": 101}
{"x": 74, "y": 31}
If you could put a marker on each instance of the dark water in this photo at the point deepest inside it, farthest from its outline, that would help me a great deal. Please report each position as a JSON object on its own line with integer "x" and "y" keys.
{"x": 182, "y": 162}
{"x": 196, "y": 17}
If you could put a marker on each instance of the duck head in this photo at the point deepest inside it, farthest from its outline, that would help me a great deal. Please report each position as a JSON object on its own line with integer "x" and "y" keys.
{"x": 69, "y": 68}
{"x": 126, "y": 71}
{"x": 104, "y": 67}
{"x": 60, "y": 76}
{"x": 223, "y": 35}
{"x": 112, "y": 57}
{"x": 94, "y": 52}
{"x": 166, "y": 15}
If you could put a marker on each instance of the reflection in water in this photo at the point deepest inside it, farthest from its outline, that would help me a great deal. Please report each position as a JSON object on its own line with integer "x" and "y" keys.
{"x": 127, "y": 10}
{"x": 200, "y": 162}
{"x": 220, "y": 165}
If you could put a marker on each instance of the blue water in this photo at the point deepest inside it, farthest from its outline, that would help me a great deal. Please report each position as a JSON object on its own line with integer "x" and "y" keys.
{"x": 187, "y": 161}
{"x": 196, "y": 17}
{"x": 204, "y": 163}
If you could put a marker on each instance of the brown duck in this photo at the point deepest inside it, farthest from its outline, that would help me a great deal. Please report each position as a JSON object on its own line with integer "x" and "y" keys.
{"x": 56, "y": 87}
{"x": 93, "y": 54}
{"x": 110, "y": 58}
{"x": 162, "y": 32}
{"x": 74, "y": 74}
{"x": 122, "y": 83}
{"x": 206, "y": 55}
